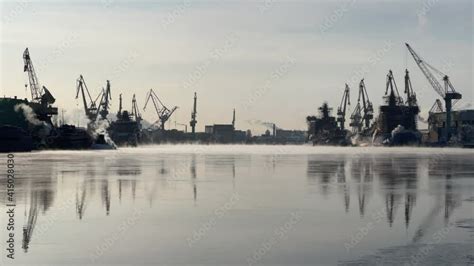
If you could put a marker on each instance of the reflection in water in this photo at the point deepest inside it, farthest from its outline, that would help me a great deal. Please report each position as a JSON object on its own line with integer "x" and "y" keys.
{"x": 390, "y": 181}
{"x": 398, "y": 178}
{"x": 193, "y": 176}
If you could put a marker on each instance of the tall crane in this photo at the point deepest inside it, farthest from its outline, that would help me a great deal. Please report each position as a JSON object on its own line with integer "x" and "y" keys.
{"x": 90, "y": 107}
{"x": 193, "y": 121}
{"x": 104, "y": 104}
{"x": 341, "y": 110}
{"x": 356, "y": 119}
{"x": 447, "y": 91}
{"x": 367, "y": 106}
{"x": 163, "y": 112}
{"x": 411, "y": 95}
{"x": 41, "y": 96}
{"x": 394, "y": 96}
{"x": 135, "y": 110}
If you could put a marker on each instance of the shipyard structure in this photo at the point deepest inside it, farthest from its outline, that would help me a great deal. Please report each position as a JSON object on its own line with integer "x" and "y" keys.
{"x": 32, "y": 124}
{"x": 397, "y": 120}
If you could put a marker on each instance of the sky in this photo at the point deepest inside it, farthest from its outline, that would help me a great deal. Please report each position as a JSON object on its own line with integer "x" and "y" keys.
{"x": 274, "y": 61}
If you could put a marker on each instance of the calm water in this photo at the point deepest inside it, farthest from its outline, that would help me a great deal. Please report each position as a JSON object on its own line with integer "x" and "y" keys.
{"x": 243, "y": 205}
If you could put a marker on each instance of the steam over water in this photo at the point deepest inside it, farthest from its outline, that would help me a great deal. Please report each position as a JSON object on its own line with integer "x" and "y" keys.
{"x": 243, "y": 205}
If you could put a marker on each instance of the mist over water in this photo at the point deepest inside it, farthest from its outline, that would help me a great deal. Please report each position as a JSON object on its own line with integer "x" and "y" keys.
{"x": 244, "y": 205}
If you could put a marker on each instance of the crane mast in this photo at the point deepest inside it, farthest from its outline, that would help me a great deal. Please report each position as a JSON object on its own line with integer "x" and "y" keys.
{"x": 447, "y": 92}
{"x": 162, "y": 111}
{"x": 193, "y": 121}
{"x": 341, "y": 110}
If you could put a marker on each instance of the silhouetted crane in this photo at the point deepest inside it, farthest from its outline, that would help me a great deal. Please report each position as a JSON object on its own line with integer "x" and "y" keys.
{"x": 90, "y": 107}
{"x": 447, "y": 92}
{"x": 341, "y": 110}
{"x": 162, "y": 111}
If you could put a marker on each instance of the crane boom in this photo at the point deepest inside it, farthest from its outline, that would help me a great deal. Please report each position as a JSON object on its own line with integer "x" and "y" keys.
{"x": 425, "y": 68}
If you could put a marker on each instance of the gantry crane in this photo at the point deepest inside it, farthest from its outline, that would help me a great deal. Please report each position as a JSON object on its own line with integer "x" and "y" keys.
{"x": 193, "y": 121}
{"x": 447, "y": 92}
{"x": 90, "y": 107}
{"x": 341, "y": 110}
{"x": 162, "y": 111}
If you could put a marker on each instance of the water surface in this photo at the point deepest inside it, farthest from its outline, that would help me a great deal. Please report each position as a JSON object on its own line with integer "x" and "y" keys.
{"x": 243, "y": 205}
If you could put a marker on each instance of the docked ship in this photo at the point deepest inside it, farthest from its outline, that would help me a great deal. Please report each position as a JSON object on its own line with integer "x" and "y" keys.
{"x": 397, "y": 120}
{"x": 323, "y": 129}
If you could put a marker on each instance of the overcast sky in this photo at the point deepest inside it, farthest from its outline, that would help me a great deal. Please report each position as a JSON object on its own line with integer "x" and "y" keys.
{"x": 271, "y": 60}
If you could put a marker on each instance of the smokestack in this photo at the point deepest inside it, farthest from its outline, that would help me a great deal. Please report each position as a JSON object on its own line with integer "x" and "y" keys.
{"x": 274, "y": 131}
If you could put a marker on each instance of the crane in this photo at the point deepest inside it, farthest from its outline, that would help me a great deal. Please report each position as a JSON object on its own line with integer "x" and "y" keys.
{"x": 394, "y": 97}
{"x": 193, "y": 121}
{"x": 363, "y": 112}
{"x": 135, "y": 110}
{"x": 341, "y": 110}
{"x": 104, "y": 104}
{"x": 411, "y": 95}
{"x": 90, "y": 107}
{"x": 447, "y": 92}
{"x": 163, "y": 112}
{"x": 367, "y": 106}
{"x": 356, "y": 119}
{"x": 40, "y": 95}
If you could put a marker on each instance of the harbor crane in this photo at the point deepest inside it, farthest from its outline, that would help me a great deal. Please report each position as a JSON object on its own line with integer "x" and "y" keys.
{"x": 162, "y": 111}
{"x": 341, "y": 110}
{"x": 364, "y": 110}
{"x": 104, "y": 104}
{"x": 447, "y": 92}
{"x": 394, "y": 97}
{"x": 39, "y": 94}
{"x": 90, "y": 107}
{"x": 411, "y": 95}
{"x": 135, "y": 111}
{"x": 193, "y": 121}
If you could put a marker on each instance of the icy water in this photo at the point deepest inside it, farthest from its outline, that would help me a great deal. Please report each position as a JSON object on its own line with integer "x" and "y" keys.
{"x": 242, "y": 205}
